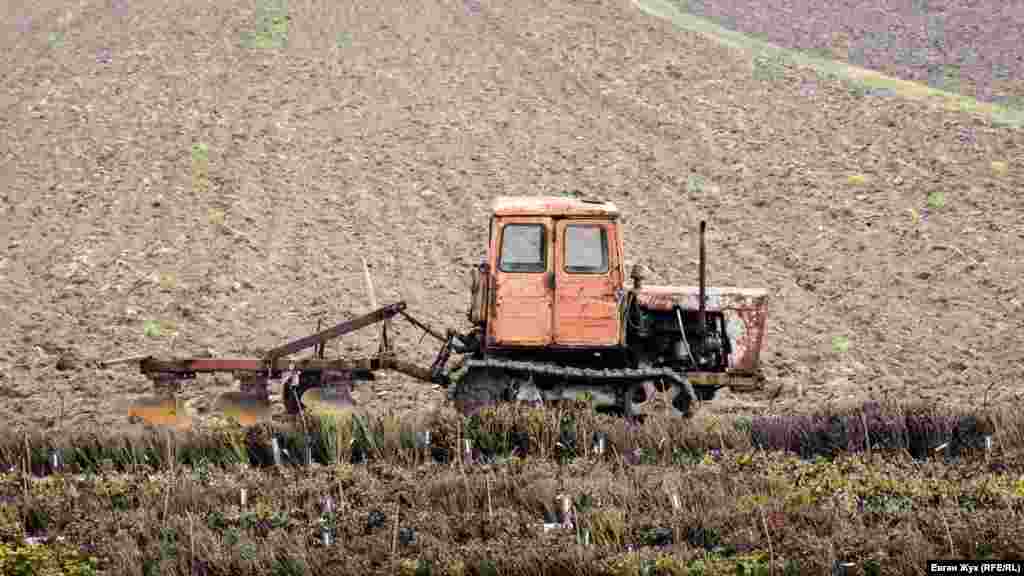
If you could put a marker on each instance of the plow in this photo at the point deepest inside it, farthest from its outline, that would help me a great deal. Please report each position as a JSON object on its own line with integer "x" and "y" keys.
{"x": 316, "y": 382}
{"x": 551, "y": 319}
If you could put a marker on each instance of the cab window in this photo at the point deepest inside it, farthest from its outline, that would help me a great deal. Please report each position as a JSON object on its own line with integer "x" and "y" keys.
{"x": 522, "y": 248}
{"x": 586, "y": 249}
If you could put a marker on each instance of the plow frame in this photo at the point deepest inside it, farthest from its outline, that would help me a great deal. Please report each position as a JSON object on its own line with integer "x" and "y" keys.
{"x": 166, "y": 372}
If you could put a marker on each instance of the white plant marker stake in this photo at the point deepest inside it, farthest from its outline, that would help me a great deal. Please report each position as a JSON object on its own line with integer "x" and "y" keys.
{"x": 566, "y": 507}
{"x": 325, "y": 530}
{"x": 276, "y": 448}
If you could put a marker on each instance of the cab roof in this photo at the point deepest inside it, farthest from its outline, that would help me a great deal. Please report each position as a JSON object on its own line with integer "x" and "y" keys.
{"x": 552, "y": 206}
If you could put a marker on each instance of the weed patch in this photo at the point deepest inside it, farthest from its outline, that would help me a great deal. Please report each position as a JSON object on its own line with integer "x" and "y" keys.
{"x": 55, "y": 40}
{"x": 768, "y": 68}
{"x": 32, "y": 559}
{"x": 271, "y": 26}
{"x": 200, "y": 157}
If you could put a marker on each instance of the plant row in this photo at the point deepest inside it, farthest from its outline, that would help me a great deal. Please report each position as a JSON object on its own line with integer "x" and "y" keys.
{"x": 562, "y": 434}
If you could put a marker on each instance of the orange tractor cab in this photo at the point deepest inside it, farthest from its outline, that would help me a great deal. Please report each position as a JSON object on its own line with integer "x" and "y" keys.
{"x": 556, "y": 274}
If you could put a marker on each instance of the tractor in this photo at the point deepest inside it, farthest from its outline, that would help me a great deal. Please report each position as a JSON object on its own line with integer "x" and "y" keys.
{"x": 551, "y": 317}
{"x": 554, "y": 318}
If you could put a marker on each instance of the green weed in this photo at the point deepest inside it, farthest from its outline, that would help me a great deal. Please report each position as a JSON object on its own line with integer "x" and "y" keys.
{"x": 488, "y": 568}
{"x": 271, "y": 28}
{"x": 822, "y": 53}
{"x": 32, "y": 559}
{"x": 840, "y": 344}
{"x": 768, "y": 68}
{"x": 55, "y": 40}
{"x": 200, "y": 154}
{"x": 936, "y": 200}
{"x": 694, "y": 184}
{"x": 151, "y": 329}
{"x": 752, "y": 567}
{"x": 887, "y": 504}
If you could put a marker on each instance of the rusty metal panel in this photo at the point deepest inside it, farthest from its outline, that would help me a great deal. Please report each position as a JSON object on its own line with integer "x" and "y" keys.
{"x": 522, "y": 310}
{"x": 620, "y": 257}
{"x": 587, "y": 312}
{"x": 551, "y": 206}
{"x": 665, "y": 298}
{"x": 587, "y": 304}
{"x": 522, "y": 302}
{"x": 745, "y": 312}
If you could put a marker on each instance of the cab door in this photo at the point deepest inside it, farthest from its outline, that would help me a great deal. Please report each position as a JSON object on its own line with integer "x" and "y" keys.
{"x": 587, "y": 275}
{"x": 523, "y": 298}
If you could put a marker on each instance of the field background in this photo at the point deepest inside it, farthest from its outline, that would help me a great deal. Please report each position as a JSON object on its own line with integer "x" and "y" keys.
{"x": 191, "y": 177}
{"x": 204, "y": 176}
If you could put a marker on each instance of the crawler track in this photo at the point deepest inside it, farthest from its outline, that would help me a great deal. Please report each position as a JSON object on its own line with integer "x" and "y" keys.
{"x": 510, "y": 377}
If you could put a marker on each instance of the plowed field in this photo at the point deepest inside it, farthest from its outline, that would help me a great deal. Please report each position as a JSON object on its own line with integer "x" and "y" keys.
{"x": 190, "y": 177}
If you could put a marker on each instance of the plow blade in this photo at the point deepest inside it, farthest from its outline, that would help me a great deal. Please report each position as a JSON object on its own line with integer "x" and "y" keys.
{"x": 248, "y": 406}
{"x": 162, "y": 410}
{"x": 245, "y": 408}
{"x": 335, "y": 399}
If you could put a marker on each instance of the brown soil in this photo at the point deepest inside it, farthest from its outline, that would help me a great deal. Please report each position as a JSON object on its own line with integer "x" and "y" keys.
{"x": 384, "y": 132}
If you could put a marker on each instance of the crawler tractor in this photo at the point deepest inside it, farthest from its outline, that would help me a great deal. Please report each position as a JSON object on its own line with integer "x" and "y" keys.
{"x": 552, "y": 318}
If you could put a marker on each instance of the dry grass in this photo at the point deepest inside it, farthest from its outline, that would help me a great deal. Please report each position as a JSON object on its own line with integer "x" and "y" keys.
{"x": 508, "y": 431}
{"x": 714, "y": 490}
{"x": 729, "y": 505}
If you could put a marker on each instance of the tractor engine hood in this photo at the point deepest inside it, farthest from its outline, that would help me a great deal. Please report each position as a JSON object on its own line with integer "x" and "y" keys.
{"x": 744, "y": 311}
{"x": 666, "y": 298}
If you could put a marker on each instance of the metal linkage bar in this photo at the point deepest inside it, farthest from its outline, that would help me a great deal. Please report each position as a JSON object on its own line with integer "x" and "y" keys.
{"x": 424, "y": 327}
{"x": 294, "y": 346}
{"x": 206, "y": 365}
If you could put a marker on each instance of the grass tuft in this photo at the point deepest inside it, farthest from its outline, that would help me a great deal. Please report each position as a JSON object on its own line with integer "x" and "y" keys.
{"x": 271, "y": 26}
{"x": 151, "y": 329}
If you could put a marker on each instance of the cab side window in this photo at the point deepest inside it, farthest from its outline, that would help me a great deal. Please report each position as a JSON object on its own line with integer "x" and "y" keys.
{"x": 586, "y": 249}
{"x": 523, "y": 248}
